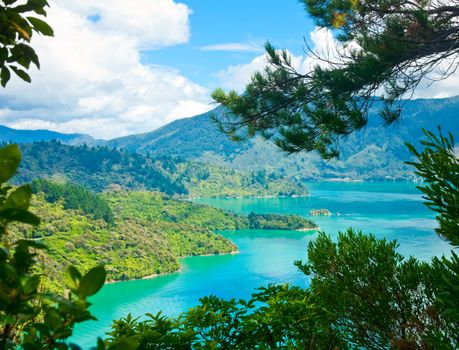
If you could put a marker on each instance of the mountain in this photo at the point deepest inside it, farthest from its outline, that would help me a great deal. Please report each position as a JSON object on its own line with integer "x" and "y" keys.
{"x": 9, "y": 135}
{"x": 98, "y": 168}
{"x": 189, "y": 137}
{"x": 193, "y": 153}
{"x": 374, "y": 153}
{"x": 101, "y": 168}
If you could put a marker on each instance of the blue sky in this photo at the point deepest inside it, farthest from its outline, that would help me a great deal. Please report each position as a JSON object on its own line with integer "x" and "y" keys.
{"x": 283, "y": 22}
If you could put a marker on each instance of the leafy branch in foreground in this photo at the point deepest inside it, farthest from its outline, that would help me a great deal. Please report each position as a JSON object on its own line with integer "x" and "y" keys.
{"x": 438, "y": 165}
{"x": 30, "y": 317}
{"x": 16, "y": 29}
{"x": 384, "y": 50}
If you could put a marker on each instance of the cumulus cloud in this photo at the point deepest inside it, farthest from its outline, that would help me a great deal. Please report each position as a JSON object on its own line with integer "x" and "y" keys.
{"x": 236, "y": 77}
{"x": 92, "y": 79}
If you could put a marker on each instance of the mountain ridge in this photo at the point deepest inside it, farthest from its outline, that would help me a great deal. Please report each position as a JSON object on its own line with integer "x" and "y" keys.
{"x": 372, "y": 153}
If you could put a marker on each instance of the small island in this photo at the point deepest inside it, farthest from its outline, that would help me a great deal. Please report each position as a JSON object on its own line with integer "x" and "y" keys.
{"x": 280, "y": 222}
{"x": 320, "y": 212}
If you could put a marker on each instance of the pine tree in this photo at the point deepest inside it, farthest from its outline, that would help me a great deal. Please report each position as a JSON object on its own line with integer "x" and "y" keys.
{"x": 386, "y": 48}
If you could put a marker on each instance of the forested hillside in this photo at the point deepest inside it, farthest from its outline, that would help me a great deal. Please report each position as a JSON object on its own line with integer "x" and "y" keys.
{"x": 10, "y": 135}
{"x": 96, "y": 168}
{"x": 100, "y": 168}
{"x": 149, "y": 232}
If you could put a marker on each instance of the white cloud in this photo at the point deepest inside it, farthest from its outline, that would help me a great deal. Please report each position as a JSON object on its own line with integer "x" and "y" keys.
{"x": 92, "y": 79}
{"x": 237, "y": 47}
{"x": 237, "y": 76}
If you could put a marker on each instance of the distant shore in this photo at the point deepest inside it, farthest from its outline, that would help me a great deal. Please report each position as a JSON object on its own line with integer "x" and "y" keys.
{"x": 305, "y": 229}
{"x": 154, "y": 275}
{"x": 247, "y": 197}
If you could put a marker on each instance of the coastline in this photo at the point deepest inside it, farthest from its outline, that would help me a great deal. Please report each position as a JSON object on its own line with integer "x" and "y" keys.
{"x": 246, "y": 197}
{"x": 306, "y": 229}
{"x": 154, "y": 275}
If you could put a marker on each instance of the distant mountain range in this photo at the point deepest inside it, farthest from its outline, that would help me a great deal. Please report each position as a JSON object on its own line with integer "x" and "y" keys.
{"x": 9, "y": 135}
{"x": 374, "y": 153}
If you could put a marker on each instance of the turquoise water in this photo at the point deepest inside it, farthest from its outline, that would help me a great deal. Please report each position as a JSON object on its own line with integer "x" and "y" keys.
{"x": 391, "y": 210}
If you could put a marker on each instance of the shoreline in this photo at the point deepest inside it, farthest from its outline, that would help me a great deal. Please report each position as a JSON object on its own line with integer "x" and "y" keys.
{"x": 154, "y": 275}
{"x": 306, "y": 229}
{"x": 248, "y": 197}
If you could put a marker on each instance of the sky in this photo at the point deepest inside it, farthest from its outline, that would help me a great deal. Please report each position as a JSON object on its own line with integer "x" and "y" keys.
{"x": 116, "y": 67}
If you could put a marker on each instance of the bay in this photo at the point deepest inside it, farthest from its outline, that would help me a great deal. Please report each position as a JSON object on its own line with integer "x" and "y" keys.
{"x": 386, "y": 209}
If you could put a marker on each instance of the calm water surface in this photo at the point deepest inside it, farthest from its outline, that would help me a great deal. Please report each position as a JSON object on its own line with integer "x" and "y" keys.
{"x": 391, "y": 210}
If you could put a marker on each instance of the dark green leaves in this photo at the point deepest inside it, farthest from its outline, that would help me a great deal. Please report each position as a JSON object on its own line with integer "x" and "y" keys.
{"x": 87, "y": 285}
{"x": 92, "y": 282}
{"x": 384, "y": 49}
{"x": 17, "y": 28}
{"x": 19, "y": 215}
{"x": 21, "y": 74}
{"x": 19, "y": 198}
{"x": 438, "y": 165}
{"x": 72, "y": 278}
{"x": 10, "y": 157}
{"x": 41, "y": 26}
{"x": 5, "y": 76}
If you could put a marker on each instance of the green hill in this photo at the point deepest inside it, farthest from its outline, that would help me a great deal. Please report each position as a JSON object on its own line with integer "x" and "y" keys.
{"x": 100, "y": 168}
{"x": 149, "y": 233}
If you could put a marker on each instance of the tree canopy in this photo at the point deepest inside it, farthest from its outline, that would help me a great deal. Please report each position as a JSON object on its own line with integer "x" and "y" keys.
{"x": 384, "y": 50}
{"x": 16, "y": 29}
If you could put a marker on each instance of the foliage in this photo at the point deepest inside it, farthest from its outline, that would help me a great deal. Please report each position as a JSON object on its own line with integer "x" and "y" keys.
{"x": 279, "y": 222}
{"x": 101, "y": 168}
{"x": 384, "y": 50}
{"x": 439, "y": 166}
{"x": 16, "y": 29}
{"x": 96, "y": 168}
{"x": 75, "y": 197}
{"x": 269, "y": 320}
{"x": 149, "y": 234}
{"x": 376, "y": 296}
{"x": 30, "y": 317}
{"x": 212, "y": 180}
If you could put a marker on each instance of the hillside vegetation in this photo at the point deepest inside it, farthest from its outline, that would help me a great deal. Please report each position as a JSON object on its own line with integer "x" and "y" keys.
{"x": 148, "y": 234}
{"x": 100, "y": 168}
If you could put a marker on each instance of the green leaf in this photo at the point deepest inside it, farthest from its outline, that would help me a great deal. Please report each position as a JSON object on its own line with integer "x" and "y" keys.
{"x": 31, "y": 284}
{"x": 92, "y": 282}
{"x": 10, "y": 157}
{"x": 20, "y": 215}
{"x": 5, "y": 76}
{"x": 19, "y": 198}
{"x": 41, "y": 26}
{"x": 52, "y": 319}
{"x": 72, "y": 277}
{"x": 30, "y": 243}
{"x": 21, "y": 74}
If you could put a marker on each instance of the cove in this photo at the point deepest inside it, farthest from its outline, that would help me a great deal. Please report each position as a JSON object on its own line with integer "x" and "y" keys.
{"x": 391, "y": 210}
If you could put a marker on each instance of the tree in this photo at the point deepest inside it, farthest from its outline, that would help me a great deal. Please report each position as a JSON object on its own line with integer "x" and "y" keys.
{"x": 385, "y": 49}
{"x": 16, "y": 29}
